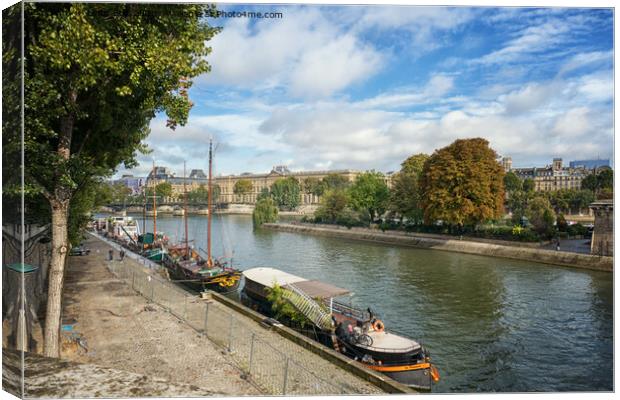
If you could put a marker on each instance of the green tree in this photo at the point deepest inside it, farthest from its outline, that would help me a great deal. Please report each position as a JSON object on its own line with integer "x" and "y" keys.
{"x": 95, "y": 75}
{"x": 200, "y": 195}
{"x": 605, "y": 179}
{"x": 265, "y": 211}
{"x": 264, "y": 194}
{"x": 540, "y": 214}
{"x": 370, "y": 194}
{"x": 314, "y": 186}
{"x": 517, "y": 203}
{"x": 286, "y": 192}
{"x": 405, "y": 193}
{"x": 242, "y": 187}
{"x": 601, "y": 183}
{"x": 335, "y": 181}
{"x": 512, "y": 182}
{"x": 333, "y": 204}
{"x": 561, "y": 223}
{"x": 462, "y": 184}
{"x": 528, "y": 185}
{"x": 414, "y": 164}
{"x": 581, "y": 200}
{"x": 590, "y": 183}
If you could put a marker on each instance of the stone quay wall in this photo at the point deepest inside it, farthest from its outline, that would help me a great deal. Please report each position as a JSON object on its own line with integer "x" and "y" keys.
{"x": 562, "y": 258}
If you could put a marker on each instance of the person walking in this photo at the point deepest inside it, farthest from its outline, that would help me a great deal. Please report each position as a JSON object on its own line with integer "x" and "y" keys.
{"x": 110, "y": 255}
{"x": 122, "y": 254}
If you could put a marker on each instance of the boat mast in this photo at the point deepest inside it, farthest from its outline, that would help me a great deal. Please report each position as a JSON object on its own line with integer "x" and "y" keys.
{"x": 185, "y": 211}
{"x": 154, "y": 207}
{"x": 209, "y": 262}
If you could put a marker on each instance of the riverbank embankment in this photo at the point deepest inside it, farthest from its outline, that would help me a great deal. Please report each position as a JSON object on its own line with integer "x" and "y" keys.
{"x": 486, "y": 248}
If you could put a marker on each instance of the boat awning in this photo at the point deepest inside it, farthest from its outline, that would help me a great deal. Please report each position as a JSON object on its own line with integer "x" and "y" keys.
{"x": 270, "y": 276}
{"x": 318, "y": 289}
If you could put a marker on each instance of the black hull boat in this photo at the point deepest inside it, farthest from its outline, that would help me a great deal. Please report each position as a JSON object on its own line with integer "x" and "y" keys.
{"x": 357, "y": 334}
{"x": 197, "y": 274}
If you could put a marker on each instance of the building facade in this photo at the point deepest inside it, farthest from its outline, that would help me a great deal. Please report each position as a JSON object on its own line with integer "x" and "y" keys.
{"x": 136, "y": 184}
{"x": 227, "y": 183}
{"x": 590, "y": 164}
{"x": 551, "y": 177}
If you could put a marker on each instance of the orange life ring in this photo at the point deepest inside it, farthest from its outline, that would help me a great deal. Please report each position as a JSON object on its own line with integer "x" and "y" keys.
{"x": 378, "y": 326}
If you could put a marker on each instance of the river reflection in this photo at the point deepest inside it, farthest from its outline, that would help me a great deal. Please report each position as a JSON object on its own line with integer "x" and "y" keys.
{"x": 490, "y": 324}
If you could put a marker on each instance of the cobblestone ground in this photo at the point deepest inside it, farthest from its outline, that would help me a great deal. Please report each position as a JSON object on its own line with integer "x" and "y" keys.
{"x": 306, "y": 371}
{"x": 122, "y": 330}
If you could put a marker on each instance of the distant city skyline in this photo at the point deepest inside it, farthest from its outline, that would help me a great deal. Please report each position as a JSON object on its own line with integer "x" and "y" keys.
{"x": 179, "y": 174}
{"x": 364, "y": 87}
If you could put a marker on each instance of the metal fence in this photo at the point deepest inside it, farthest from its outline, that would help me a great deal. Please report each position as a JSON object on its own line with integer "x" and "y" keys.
{"x": 276, "y": 371}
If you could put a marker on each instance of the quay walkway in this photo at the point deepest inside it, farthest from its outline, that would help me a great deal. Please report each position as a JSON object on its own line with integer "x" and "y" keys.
{"x": 173, "y": 334}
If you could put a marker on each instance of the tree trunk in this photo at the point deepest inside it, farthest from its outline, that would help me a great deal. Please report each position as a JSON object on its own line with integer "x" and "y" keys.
{"x": 60, "y": 213}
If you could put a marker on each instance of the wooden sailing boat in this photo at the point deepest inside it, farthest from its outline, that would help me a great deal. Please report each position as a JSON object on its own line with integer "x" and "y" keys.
{"x": 153, "y": 245}
{"x": 186, "y": 266}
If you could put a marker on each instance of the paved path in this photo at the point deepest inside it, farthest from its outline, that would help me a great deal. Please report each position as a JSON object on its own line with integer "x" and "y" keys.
{"x": 138, "y": 334}
{"x": 123, "y": 331}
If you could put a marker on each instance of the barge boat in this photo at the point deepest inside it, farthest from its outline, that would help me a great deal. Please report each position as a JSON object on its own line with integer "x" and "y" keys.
{"x": 355, "y": 333}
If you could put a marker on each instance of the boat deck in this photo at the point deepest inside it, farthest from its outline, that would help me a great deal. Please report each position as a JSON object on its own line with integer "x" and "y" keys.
{"x": 389, "y": 342}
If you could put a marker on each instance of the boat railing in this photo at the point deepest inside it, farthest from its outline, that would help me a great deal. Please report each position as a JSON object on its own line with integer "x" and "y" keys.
{"x": 349, "y": 311}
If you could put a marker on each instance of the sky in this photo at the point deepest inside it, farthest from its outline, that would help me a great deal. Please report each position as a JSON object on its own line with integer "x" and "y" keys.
{"x": 364, "y": 87}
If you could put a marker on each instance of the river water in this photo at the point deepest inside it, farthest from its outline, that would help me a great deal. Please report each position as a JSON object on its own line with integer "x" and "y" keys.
{"x": 491, "y": 324}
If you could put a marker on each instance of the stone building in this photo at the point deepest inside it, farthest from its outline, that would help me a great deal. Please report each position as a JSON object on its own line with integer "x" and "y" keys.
{"x": 551, "y": 177}
{"x": 603, "y": 235}
{"x": 226, "y": 183}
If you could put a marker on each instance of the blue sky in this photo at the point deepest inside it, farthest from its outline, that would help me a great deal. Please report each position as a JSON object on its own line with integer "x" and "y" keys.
{"x": 364, "y": 87}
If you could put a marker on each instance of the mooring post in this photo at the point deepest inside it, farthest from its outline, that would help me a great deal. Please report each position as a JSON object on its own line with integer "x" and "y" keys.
{"x": 185, "y": 308}
{"x": 285, "y": 377}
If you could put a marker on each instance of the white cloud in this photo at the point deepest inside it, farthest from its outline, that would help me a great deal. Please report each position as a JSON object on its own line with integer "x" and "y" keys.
{"x": 574, "y": 123}
{"x": 436, "y": 87}
{"x": 529, "y": 41}
{"x": 587, "y": 59}
{"x": 304, "y": 54}
{"x": 424, "y": 25}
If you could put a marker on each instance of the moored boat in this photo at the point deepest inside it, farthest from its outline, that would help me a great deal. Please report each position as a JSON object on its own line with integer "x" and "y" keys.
{"x": 358, "y": 334}
{"x": 185, "y": 265}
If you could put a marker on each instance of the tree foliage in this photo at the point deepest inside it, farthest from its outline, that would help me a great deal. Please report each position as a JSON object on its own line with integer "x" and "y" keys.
{"x": 265, "y": 211}
{"x": 414, "y": 164}
{"x": 601, "y": 183}
{"x": 200, "y": 195}
{"x": 314, "y": 186}
{"x": 335, "y": 181}
{"x": 405, "y": 193}
{"x": 462, "y": 184}
{"x": 286, "y": 192}
{"x": 282, "y": 308}
{"x": 95, "y": 75}
{"x": 529, "y": 185}
{"x": 243, "y": 186}
{"x": 369, "y": 193}
{"x": 540, "y": 214}
{"x": 333, "y": 204}
{"x": 512, "y": 182}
